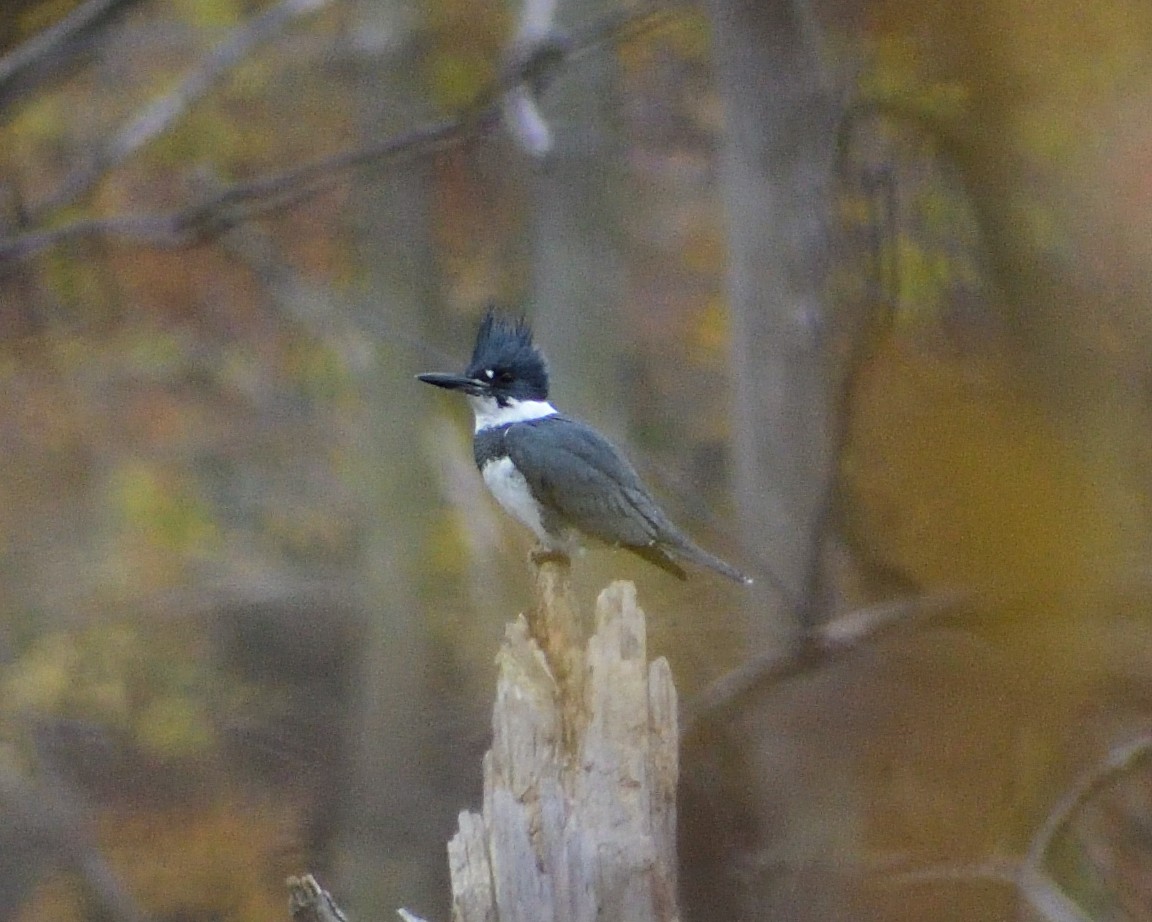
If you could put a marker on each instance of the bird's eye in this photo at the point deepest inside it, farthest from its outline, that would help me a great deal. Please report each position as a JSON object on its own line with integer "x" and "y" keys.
{"x": 504, "y": 377}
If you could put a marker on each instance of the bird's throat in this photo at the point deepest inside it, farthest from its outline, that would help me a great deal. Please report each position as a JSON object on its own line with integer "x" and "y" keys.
{"x": 489, "y": 413}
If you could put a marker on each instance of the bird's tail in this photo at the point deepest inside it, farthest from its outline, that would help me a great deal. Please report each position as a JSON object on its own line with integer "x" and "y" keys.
{"x": 682, "y": 546}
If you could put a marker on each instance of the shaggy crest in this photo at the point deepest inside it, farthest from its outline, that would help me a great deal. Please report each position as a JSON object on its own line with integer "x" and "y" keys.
{"x": 504, "y": 346}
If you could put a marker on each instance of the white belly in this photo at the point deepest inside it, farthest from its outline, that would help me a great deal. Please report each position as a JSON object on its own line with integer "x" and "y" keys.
{"x": 511, "y": 491}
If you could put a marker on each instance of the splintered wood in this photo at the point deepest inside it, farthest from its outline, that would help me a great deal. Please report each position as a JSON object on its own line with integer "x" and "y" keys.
{"x": 579, "y": 815}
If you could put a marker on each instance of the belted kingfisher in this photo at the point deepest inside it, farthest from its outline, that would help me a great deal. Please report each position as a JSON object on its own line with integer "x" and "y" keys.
{"x": 557, "y": 476}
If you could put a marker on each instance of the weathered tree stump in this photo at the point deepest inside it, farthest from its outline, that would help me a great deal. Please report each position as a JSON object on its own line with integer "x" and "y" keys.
{"x": 579, "y": 814}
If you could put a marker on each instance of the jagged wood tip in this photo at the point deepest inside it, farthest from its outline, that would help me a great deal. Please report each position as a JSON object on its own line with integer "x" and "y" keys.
{"x": 579, "y": 817}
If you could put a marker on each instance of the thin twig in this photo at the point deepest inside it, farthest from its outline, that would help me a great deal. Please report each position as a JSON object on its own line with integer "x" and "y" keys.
{"x": 160, "y": 114}
{"x": 206, "y": 219}
{"x": 309, "y": 902}
{"x": 44, "y": 42}
{"x": 624, "y": 25}
{"x": 219, "y": 212}
{"x": 998, "y": 869}
{"x": 822, "y": 645}
{"x": 63, "y": 827}
{"x": 535, "y": 38}
{"x": 1036, "y": 886}
{"x": 1028, "y": 875}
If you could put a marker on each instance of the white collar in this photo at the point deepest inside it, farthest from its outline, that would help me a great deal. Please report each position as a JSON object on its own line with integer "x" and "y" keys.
{"x": 489, "y": 413}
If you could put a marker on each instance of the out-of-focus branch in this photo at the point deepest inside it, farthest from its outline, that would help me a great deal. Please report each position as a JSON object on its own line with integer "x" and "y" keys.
{"x": 1042, "y": 895}
{"x": 206, "y": 219}
{"x": 539, "y": 49}
{"x": 43, "y": 43}
{"x": 822, "y": 645}
{"x": 48, "y": 819}
{"x": 535, "y": 51}
{"x": 309, "y": 902}
{"x": 221, "y": 211}
{"x": 159, "y": 115}
{"x": 1037, "y": 888}
{"x": 997, "y": 869}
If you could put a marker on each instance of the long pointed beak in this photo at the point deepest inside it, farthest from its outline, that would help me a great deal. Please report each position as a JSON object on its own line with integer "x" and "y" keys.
{"x": 451, "y": 382}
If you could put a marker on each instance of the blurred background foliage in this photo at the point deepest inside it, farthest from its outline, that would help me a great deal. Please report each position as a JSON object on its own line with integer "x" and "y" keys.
{"x": 251, "y": 588}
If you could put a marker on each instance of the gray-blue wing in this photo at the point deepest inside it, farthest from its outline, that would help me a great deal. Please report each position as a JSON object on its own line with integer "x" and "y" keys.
{"x": 583, "y": 481}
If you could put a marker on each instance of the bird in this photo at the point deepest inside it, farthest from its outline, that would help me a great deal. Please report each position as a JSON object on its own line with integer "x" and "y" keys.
{"x": 554, "y": 474}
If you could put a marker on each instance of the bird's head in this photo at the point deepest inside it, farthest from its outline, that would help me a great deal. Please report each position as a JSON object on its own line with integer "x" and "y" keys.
{"x": 506, "y": 365}
{"x": 507, "y": 370}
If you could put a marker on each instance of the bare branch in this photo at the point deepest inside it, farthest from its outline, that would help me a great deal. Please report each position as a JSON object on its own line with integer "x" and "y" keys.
{"x": 1119, "y": 759}
{"x": 525, "y": 122}
{"x": 1046, "y": 898}
{"x": 52, "y": 814}
{"x": 873, "y": 620}
{"x": 159, "y": 115}
{"x": 309, "y": 902}
{"x": 204, "y": 220}
{"x": 535, "y": 40}
{"x": 106, "y": 888}
{"x": 1039, "y": 891}
{"x": 217, "y": 213}
{"x": 43, "y": 43}
{"x": 823, "y": 645}
{"x": 1036, "y": 887}
{"x": 997, "y": 869}
{"x": 624, "y": 25}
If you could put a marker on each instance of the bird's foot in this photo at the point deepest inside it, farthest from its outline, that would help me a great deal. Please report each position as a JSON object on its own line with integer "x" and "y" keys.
{"x": 541, "y": 555}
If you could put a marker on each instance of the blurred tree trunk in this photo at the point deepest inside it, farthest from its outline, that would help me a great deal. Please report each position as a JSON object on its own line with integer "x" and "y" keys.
{"x": 576, "y": 247}
{"x": 393, "y": 848}
{"x": 776, "y": 167}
